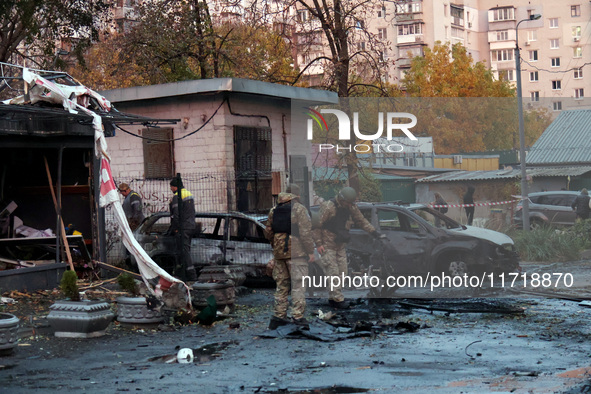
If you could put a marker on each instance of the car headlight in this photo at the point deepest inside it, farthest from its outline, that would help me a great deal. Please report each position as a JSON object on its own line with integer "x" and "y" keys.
{"x": 505, "y": 249}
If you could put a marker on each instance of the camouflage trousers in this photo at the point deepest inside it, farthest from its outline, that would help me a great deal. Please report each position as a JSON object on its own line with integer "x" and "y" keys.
{"x": 334, "y": 263}
{"x": 288, "y": 275}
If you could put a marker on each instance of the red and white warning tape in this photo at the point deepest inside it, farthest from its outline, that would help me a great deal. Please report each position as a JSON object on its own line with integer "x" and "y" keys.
{"x": 480, "y": 204}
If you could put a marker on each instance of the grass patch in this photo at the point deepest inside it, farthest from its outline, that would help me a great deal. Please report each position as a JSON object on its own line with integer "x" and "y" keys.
{"x": 551, "y": 244}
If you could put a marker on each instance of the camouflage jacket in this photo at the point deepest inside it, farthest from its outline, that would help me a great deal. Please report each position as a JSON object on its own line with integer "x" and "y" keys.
{"x": 297, "y": 246}
{"x": 328, "y": 211}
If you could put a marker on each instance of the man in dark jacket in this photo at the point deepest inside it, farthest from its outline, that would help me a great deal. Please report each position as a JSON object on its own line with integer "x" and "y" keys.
{"x": 183, "y": 223}
{"x": 132, "y": 206}
{"x": 581, "y": 205}
{"x": 469, "y": 201}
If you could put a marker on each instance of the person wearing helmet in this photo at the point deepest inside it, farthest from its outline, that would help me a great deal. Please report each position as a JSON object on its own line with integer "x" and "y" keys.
{"x": 289, "y": 230}
{"x": 336, "y": 217}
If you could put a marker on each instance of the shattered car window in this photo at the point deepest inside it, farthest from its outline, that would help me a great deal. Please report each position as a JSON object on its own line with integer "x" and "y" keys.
{"x": 210, "y": 227}
{"x": 388, "y": 220}
{"x": 436, "y": 218}
{"x": 160, "y": 226}
{"x": 243, "y": 229}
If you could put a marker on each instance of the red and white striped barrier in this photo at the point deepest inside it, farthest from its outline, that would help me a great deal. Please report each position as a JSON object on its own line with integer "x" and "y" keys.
{"x": 480, "y": 204}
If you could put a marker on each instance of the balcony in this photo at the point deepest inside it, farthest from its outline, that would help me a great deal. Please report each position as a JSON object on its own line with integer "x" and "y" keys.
{"x": 409, "y": 16}
{"x": 403, "y": 62}
{"x": 457, "y": 21}
{"x": 410, "y": 39}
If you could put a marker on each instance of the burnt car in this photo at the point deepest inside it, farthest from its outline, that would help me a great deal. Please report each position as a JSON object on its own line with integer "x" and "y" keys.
{"x": 420, "y": 239}
{"x": 219, "y": 238}
{"x": 548, "y": 209}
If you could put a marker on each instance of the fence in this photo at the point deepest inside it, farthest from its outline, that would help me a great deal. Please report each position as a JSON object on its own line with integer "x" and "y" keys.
{"x": 221, "y": 191}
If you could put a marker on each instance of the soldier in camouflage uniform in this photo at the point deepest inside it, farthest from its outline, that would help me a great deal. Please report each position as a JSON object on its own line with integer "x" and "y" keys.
{"x": 289, "y": 230}
{"x": 336, "y": 217}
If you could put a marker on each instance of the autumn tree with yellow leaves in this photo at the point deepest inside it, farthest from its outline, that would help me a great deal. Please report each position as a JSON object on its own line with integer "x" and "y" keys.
{"x": 175, "y": 41}
{"x": 462, "y": 106}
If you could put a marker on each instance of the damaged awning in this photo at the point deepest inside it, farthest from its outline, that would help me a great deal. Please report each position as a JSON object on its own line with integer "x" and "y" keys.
{"x": 39, "y": 112}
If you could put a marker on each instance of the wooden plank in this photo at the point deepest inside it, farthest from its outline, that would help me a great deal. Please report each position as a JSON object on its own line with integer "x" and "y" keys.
{"x": 63, "y": 229}
{"x": 118, "y": 270}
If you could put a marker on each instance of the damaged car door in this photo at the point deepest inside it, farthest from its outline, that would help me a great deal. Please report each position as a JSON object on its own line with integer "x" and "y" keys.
{"x": 409, "y": 242}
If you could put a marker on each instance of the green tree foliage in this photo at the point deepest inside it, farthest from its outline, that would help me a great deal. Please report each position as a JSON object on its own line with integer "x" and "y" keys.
{"x": 106, "y": 66}
{"x": 31, "y": 28}
{"x": 370, "y": 187}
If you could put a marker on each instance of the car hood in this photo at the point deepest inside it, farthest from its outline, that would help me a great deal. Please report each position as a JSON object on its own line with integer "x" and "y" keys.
{"x": 484, "y": 233}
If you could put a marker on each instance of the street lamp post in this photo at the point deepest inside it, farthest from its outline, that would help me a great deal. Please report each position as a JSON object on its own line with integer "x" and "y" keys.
{"x": 524, "y": 194}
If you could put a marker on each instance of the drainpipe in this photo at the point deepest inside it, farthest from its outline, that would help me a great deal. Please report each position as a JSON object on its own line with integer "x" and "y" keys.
{"x": 284, "y": 135}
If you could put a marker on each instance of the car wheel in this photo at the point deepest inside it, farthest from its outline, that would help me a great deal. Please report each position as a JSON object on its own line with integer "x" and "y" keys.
{"x": 457, "y": 266}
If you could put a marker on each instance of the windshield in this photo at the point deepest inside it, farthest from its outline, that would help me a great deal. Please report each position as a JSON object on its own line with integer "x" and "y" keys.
{"x": 436, "y": 218}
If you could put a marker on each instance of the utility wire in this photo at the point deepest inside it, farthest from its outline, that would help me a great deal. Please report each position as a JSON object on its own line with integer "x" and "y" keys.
{"x": 554, "y": 71}
{"x": 180, "y": 138}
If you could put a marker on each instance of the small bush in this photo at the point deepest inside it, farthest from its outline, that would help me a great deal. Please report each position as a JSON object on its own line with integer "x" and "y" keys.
{"x": 69, "y": 286}
{"x": 127, "y": 283}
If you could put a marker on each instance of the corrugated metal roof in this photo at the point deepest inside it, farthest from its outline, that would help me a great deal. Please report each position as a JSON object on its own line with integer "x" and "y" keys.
{"x": 327, "y": 173}
{"x": 566, "y": 141}
{"x": 469, "y": 176}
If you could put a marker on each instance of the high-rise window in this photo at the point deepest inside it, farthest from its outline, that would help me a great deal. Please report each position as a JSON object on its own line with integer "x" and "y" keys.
{"x": 532, "y": 35}
{"x": 404, "y": 30}
{"x": 576, "y": 32}
{"x": 579, "y": 93}
{"x": 575, "y": 10}
{"x": 554, "y": 43}
{"x": 502, "y": 55}
{"x": 555, "y": 62}
{"x": 533, "y": 76}
{"x": 578, "y": 73}
{"x": 533, "y": 56}
{"x": 503, "y": 14}
{"x": 577, "y": 52}
{"x": 553, "y": 22}
{"x": 506, "y": 75}
{"x": 535, "y": 96}
{"x": 502, "y": 35}
{"x": 556, "y": 85}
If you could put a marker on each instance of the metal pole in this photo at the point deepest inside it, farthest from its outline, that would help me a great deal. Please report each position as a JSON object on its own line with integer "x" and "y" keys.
{"x": 524, "y": 193}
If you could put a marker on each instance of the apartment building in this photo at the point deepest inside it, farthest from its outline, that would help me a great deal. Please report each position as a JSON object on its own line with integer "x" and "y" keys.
{"x": 555, "y": 49}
